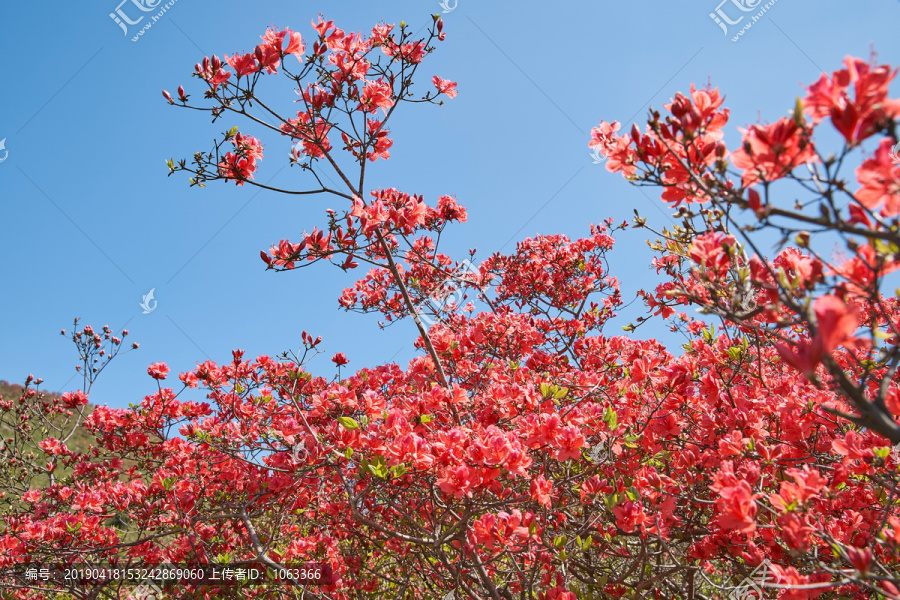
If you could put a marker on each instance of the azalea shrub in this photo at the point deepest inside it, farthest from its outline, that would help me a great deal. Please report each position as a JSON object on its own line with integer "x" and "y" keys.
{"x": 525, "y": 452}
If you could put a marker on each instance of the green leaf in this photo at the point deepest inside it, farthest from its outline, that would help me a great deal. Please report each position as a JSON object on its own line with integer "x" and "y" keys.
{"x": 611, "y": 418}
{"x": 885, "y": 247}
{"x": 559, "y": 541}
{"x": 611, "y": 500}
{"x": 426, "y": 419}
{"x": 348, "y": 452}
{"x": 561, "y": 393}
{"x": 377, "y": 467}
{"x": 348, "y": 423}
{"x": 545, "y": 390}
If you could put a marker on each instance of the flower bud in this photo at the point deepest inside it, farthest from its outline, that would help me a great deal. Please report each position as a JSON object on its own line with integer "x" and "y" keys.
{"x": 635, "y": 133}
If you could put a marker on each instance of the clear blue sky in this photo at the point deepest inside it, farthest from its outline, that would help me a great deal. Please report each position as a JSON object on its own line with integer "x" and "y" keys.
{"x": 91, "y": 222}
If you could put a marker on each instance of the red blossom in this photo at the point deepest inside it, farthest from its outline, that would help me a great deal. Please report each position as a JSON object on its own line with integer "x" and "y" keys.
{"x": 158, "y": 370}
{"x": 770, "y": 152}
{"x": 376, "y": 94}
{"x": 859, "y": 116}
{"x": 835, "y": 321}
{"x": 445, "y": 86}
{"x": 880, "y": 180}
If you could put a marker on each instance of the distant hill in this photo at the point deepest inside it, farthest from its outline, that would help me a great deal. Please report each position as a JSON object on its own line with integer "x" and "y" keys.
{"x": 80, "y": 441}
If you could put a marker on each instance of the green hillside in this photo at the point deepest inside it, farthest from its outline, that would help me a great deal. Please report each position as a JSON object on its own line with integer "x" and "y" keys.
{"x": 13, "y": 477}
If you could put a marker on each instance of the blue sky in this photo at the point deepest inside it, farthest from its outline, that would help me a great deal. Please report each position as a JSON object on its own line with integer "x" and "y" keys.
{"x": 92, "y": 222}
